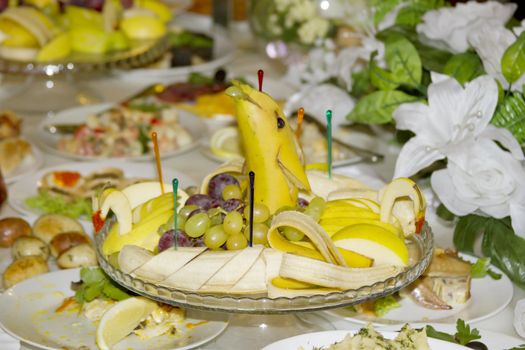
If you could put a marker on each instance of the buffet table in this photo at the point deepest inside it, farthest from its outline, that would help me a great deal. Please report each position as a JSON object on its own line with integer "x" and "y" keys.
{"x": 246, "y": 331}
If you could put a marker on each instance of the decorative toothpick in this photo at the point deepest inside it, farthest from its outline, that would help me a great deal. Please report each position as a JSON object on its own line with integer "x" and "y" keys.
{"x": 252, "y": 192}
{"x": 175, "y": 184}
{"x": 329, "y": 140}
{"x": 260, "y": 76}
{"x": 157, "y": 159}
{"x": 300, "y": 117}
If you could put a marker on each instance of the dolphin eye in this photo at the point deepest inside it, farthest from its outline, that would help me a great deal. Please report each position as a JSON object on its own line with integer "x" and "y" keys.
{"x": 280, "y": 123}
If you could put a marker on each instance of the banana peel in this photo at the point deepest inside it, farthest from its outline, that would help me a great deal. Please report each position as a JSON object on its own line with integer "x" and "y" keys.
{"x": 270, "y": 148}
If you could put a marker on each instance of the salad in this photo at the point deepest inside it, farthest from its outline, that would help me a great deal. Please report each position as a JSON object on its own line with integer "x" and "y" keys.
{"x": 125, "y": 131}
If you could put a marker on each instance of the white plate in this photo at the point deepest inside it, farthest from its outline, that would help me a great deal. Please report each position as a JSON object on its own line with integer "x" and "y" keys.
{"x": 28, "y": 315}
{"x": 493, "y": 340}
{"x": 223, "y": 52}
{"x": 30, "y": 164}
{"x": 312, "y": 341}
{"x": 27, "y": 185}
{"x": 488, "y": 297}
{"x": 78, "y": 115}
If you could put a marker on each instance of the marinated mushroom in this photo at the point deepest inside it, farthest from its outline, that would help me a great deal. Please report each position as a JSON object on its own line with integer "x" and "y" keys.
{"x": 12, "y": 228}
{"x": 29, "y": 245}
{"x": 24, "y": 268}
{"x": 63, "y": 241}
{"x": 82, "y": 255}
{"x": 49, "y": 225}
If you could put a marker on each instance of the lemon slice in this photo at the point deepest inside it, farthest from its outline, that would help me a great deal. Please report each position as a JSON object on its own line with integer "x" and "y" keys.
{"x": 225, "y": 143}
{"x": 56, "y": 49}
{"x": 119, "y": 321}
{"x": 385, "y": 247}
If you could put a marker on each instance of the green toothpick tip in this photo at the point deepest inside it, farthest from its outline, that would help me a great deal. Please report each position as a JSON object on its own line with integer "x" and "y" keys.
{"x": 175, "y": 184}
{"x": 329, "y": 140}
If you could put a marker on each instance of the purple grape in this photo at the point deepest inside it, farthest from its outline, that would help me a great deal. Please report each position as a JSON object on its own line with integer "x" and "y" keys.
{"x": 167, "y": 240}
{"x": 127, "y": 3}
{"x": 218, "y": 182}
{"x": 232, "y": 204}
{"x": 196, "y": 211}
{"x": 3, "y": 5}
{"x": 302, "y": 203}
{"x": 201, "y": 200}
{"x": 215, "y": 203}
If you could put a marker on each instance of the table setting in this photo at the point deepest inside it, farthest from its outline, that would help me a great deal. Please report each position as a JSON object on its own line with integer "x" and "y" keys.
{"x": 270, "y": 174}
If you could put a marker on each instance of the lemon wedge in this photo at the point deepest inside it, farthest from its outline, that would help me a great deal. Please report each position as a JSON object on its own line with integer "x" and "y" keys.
{"x": 377, "y": 243}
{"x": 119, "y": 321}
{"x": 56, "y": 49}
{"x": 225, "y": 143}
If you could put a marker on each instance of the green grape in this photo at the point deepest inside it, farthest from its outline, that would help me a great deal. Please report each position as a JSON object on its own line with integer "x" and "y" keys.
{"x": 231, "y": 191}
{"x": 181, "y": 221}
{"x": 165, "y": 227}
{"x": 216, "y": 219}
{"x": 236, "y": 241}
{"x": 233, "y": 222}
{"x": 197, "y": 225}
{"x": 261, "y": 213}
{"x": 260, "y": 233}
{"x": 186, "y": 210}
{"x": 292, "y": 234}
{"x": 315, "y": 208}
{"x": 215, "y": 237}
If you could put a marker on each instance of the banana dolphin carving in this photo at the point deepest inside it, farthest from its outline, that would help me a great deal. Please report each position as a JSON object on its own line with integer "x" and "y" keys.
{"x": 270, "y": 148}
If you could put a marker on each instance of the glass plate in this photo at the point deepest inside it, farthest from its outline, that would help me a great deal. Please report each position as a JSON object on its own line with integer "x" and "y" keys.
{"x": 141, "y": 53}
{"x": 261, "y": 304}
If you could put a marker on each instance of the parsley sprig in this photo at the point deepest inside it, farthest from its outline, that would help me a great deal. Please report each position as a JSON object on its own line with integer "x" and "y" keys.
{"x": 93, "y": 284}
{"x": 481, "y": 268}
{"x": 464, "y": 334}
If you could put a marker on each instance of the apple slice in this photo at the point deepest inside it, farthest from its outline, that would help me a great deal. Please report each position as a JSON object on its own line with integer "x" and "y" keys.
{"x": 118, "y": 203}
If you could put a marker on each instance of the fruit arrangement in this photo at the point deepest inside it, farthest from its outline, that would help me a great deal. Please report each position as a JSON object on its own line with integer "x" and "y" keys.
{"x": 53, "y": 30}
{"x": 306, "y": 233}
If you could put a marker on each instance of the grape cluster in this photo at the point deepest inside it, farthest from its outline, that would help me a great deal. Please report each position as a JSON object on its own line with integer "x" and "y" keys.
{"x": 220, "y": 219}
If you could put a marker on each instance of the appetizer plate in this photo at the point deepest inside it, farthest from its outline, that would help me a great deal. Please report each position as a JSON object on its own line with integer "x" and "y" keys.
{"x": 78, "y": 115}
{"x": 223, "y": 52}
{"x": 488, "y": 297}
{"x": 29, "y": 165}
{"x": 28, "y": 314}
{"x": 313, "y": 341}
{"x": 27, "y": 186}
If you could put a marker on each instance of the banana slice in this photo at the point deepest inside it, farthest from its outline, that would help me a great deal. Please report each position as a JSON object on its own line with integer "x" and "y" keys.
{"x": 253, "y": 281}
{"x": 311, "y": 229}
{"x": 131, "y": 257}
{"x": 166, "y": 263}
{"x": 331, "y": 276}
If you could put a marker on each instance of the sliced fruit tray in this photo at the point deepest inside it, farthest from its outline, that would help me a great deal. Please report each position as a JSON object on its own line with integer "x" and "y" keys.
{"x": 421, "y": 251}
{"x": 141, "y": 53}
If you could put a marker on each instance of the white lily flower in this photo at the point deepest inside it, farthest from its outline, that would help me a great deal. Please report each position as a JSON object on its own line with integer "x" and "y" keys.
{"x": 483, "y": 178}
{"x": 490, "y": 41}
{"x": 448, "y": 28}
{"x": 454, "y": 115}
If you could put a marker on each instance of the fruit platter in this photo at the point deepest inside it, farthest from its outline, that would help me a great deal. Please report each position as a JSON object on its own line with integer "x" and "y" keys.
{"x": 264, "y": 235}
{"x": 81, "y": 35}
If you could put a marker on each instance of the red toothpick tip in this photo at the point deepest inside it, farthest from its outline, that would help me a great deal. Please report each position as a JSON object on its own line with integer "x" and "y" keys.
{"x": 260, "y": 75}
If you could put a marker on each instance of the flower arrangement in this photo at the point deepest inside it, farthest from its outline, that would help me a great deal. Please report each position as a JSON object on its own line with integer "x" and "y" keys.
{"x": 289, "y": 20}
{"x": 453, "y": 79}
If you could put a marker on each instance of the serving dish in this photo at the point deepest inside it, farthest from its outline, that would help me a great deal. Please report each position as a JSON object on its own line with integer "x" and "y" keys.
{"x": 260, "y": 304}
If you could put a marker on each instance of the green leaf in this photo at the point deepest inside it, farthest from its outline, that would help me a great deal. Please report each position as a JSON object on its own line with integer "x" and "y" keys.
{"x": 467, "y": 230}
{"x": 114, "y": 292}
{"x": 506, "y": 249}
{"x": 521, "y": 347}
{"x": 361, "y": 84}
{"x": 377, "y": 108}
{"x": 381, "y": 78}
{"x": 384, "y": 305}
{"x": 93, "y": 291}
{"x": 464, "y": 334}
{"x": 510, "y": 114}
{"x": 432, "y": 59}
{"x": 513, "y": 60}
{"x": 444, "y": 213}
{"x": 464, "y": 67}
{"x": 89, "y": 276}
{"x": 403, "y": 61}
{"x": 481, "y": 268}
{"x": 382, "y": 7}
{"x": 433, "y": 333}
